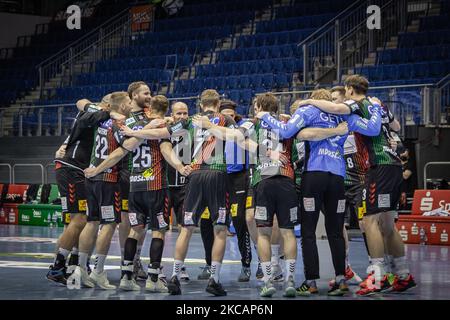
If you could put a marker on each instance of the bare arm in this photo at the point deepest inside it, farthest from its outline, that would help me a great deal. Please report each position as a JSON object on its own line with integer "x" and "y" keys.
{"x": 395, "y": 125}
{"x": 328, "y": 106}
{"x": 149, "y": 134}
{"x": 170, "y": 156}
{"x": 82, "y": 103}
{"x": 317, "y": 134}
{"x": 219, "y": 132}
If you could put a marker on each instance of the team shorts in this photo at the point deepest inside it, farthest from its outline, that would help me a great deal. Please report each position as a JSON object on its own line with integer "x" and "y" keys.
{"x": 383, "y": 189}
{"x": 207, "y": 189}
{"x": 238, "y": 182}
{"x": 104, "y": 201}
{"x": 149, "y": 208}
{"x": 354, "y": 205}
{"x": 176, "y": 199}
{"x": 124, "y": 192}
{"x": 71, "y": 186}
{"x": 276, "y": 195}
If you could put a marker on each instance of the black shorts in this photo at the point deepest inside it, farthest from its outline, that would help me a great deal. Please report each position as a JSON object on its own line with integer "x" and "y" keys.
{"x": 104, "y": 201}
{"x": 383, "y": 188}
{"x": 72, "y": 189}
{"x": 149, "y": 208}
{"x": 276, "y": 195}
{"x": 238, "y": 182}
{"x": 207, "y": 188}
{"x": 250, "y": 202}
{"x": 176, "y": 199}
{"x": 124, "y": 192}
{"x": 354, "y": 206}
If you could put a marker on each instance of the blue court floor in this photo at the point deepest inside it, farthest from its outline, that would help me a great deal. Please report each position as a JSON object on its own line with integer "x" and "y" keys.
{"x": 26, "y": 253}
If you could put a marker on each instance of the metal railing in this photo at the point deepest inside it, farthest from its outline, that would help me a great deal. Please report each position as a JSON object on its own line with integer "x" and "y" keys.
{"x": 27, "y": 165}
{"x": 354, "y": 46}
{"x": 10, "y": 170}
{"x": 437, "y": 107}
{"x": 100, "y": 43}
{"x": 426, "y": 167}
{"x": 320, "y": 49}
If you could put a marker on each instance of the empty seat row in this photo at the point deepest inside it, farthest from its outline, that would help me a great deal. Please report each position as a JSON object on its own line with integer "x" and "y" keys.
{"x": 274, "y": 38}
{"x": 185, "y": 35}
{"x": 402, "y": 55}
{"x": 158, "y": 62}
{"x": 184, "y": 47}
{"x": 293, "y": 23}
{"x": 124, "y": 76}
{"x": 287, "y": 65}
{"x": 426, "y": 38}
{"x": 269, "y": 52}
{"x": 313, "y": 8}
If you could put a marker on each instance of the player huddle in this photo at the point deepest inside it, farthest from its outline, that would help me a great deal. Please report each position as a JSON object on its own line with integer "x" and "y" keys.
{"x": 126, "y": 164}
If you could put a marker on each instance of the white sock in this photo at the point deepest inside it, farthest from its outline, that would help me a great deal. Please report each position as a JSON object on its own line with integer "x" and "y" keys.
{"x": 290, "y": 268}
{"x": 137, "y": 256}
{"x": 74, "y": 251}
{"x": 267, "y": 270}
{"x": 63, "y": 252}
{"x": 82, "y": 260}
{"x": 215, "y": 270}
{"x": 388, "y": 263}
{"x": 177, "y": 264}
{"x": 100, "y": 263}
{"x": 401, "y": 267}
{"x": 346, "y": 258}
{"x": 377, "y": 267}
{"x": 275, "y": 253}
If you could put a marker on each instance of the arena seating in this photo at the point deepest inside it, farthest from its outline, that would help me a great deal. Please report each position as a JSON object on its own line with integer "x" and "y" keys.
{"x": 18, "y": 72}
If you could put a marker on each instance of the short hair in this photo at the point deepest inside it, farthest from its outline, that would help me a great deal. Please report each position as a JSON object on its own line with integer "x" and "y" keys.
{"x": 134, "y": 86}
{"x": 228, "y": 104}
{"x": 159, "y": 104}
{"x": 180, "y": 103}
{"x": 267, "y": 102}
{"x": 340, "y": 89}
{"x": 321, "y": 94}
{"x": 359, "y": 83}
{"x": 116, "y": 100}
{"x": 209, "y": 97}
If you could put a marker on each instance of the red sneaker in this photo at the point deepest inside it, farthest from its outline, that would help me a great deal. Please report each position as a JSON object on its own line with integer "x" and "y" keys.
{"x": 349, "y": 274}
{"x": 368, "y": 286}
{"x": 401, "y": 285}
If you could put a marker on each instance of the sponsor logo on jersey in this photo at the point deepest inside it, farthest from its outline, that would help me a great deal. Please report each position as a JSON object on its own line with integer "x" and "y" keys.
{"x": 102, "y": 131}
{"x": 130, "y": 121}
{"x": 329, "y": 153}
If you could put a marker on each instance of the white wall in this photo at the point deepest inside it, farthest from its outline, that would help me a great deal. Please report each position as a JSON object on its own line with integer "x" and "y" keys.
{"x": 14, "y": 25}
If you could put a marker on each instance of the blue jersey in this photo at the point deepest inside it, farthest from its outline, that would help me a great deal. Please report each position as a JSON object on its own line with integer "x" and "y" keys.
{"x": 236, "y": 158}
{"x": 326, "y": 155}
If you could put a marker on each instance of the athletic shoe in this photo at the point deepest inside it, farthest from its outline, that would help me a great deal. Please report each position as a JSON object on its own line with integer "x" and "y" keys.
{"x": 184, "y": 276}
{"x": 72, "y": 264}
{"x": 71, "y": 269}
{"x": 156, "y": 286}
{"x": 206, "y": 273}
{"x": 305, "y": 290}
{"x": 339, "y": 289}
{"x": 259, "y": 272}
{"x": 101, "y": 280}
{"x": 289, "y": 288}
{"x": 161, "y": 275}
{"x": 138, "y": 271}
{"x": 215, "y": 288}
{"x": 401, "y": 285}
{"x": 173, "y": 286}
{"x": 88, "y": 268}
{"x": 267, "y": 290}
{"x": 57, "y": 275}
{"x": 129, "y": 284}
{"x": 386, "y": 283}
{"x": 80, "y": 278}
{"x": 369, "y": 286}
{"x": 277, "y": 273}
{"x": 245, "y": 274}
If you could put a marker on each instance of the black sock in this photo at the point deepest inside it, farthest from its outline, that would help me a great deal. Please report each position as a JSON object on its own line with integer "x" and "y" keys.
{"x": 73, "y": 260}
{"x": 60, "y": 261}
{"x": 156, "y": 251}
{"x": 129, "y": 252}
{"x": 207, "y": 233}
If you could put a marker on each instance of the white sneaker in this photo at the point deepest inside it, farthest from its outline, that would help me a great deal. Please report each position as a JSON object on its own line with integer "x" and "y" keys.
{"x": 161, "y": 275}
{"x": 277, "y": 273}
{"x": 158, "y": 286}
{"x": 79, "y": 278}
{"x": 138, "y": 270}
{"x": 101, "y": 280}
{"x": 129, "y": 285}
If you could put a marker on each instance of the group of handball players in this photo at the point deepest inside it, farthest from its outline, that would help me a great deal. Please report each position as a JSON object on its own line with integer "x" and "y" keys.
{"x": 132, "y": 160}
